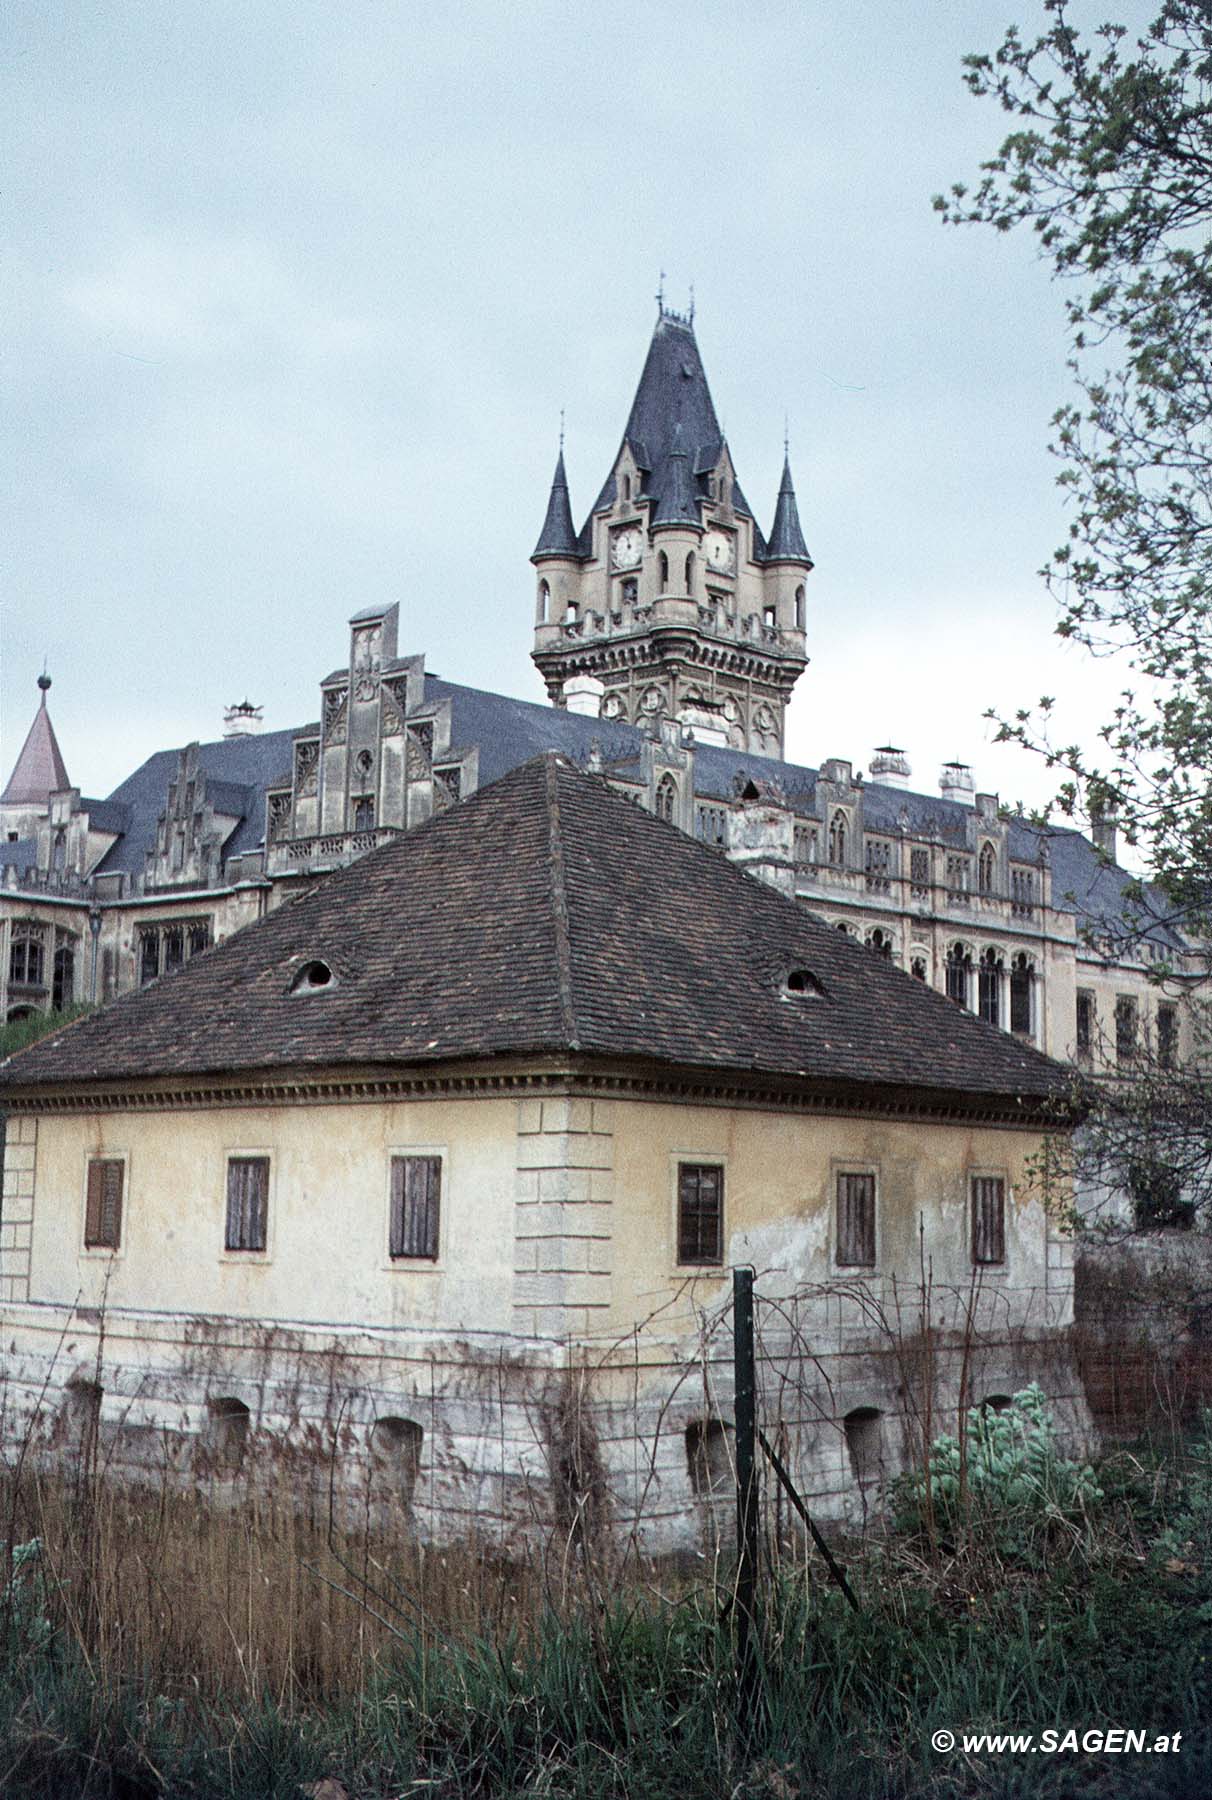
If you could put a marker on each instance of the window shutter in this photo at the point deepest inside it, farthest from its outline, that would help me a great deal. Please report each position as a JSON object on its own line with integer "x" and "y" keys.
{"x": 92, "y": 1207}
{"x": 247, "y": 1202}
{"x": 103, "y": 1204}
{"x": 856, "y": 1219}
{"x": 700, "y": 1213}
{"x": 111, "y": 1204}
{"x": 416, "y": 1191}
{"x": 988, "y": 1219}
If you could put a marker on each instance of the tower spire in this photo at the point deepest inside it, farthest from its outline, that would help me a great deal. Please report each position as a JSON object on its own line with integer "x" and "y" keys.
{"x": 786, "y": 541}
{"x": 39, "y": 770}
{"x": 558, "y": 536}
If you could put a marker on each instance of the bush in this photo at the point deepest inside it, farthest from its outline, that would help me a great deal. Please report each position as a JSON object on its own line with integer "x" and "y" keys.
{"x": 1008, "y": 1472}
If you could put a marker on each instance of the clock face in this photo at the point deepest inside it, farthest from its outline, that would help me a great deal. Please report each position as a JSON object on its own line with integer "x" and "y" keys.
{"x": 625, "y": 548}
{"x": 721, "y": 550}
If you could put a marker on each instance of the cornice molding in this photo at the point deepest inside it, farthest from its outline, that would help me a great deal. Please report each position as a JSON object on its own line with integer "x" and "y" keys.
{"x": 574, "y": 1076}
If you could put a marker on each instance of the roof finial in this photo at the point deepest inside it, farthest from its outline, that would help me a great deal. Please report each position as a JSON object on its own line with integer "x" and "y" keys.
{"x": 660, "y": 293}
{"x": 786, "y": 438}
{"x": 561, "y": 431}
{"x": 44, "y": 679}
{"x": 691, "y": 314}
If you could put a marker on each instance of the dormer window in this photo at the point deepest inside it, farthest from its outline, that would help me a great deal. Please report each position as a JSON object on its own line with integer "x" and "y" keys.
{"x": 803, "y": 984}
{"x": 627, "y": 487}
{"x": 313, "y": 977}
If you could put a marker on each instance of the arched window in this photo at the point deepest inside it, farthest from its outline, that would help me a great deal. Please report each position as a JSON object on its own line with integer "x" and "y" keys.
{"x": 864, "y": 1431}
{"x": 543, "y": 611}
{"x": 26, "y": 958}
{"x": 395, "y": 1456}
{"x": 880, "y": 941}
{"x": 710, "y": 1458}
{"x": 990, "y": 988}
{"x": 690, "y": 573}
{"x": 627, "y": 487}
{"x": 837, "y": 839}
{"x": 959, "y": 968}
{"x": 630, "y": 591}
{"x": 1022, "y": 982}
{"x": 572, "y": 612}
{"x": 918, "y": 968}
{"x": 770, "y": 617}
{"x": 79, "y": 1419}
{"x": 663, "y": 570}
{"x": 225, "y": 1435}
{"x": 985, "y": 868}
{"x": 799, "y": 607}
{"x": 666, "y": 797}
{"x": 63, "y": 987}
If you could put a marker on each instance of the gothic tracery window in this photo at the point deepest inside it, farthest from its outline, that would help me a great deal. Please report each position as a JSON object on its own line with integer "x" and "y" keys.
{"x": 990, "y": 988}
{"x": 837, "y": 839}
{"x": 959, "y": 969}
{"x": 985, "y": 869}
{"x": 666, "y": 796}
{"x": 26, "y": 957}
{"x": 1022, "y": 982}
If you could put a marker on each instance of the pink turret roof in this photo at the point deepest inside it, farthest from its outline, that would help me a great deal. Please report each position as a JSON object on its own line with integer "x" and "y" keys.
{"x": 39, "y": 771}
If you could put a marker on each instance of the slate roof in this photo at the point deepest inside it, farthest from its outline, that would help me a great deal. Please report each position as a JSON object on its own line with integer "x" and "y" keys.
{"x": 558, "y": 536}
{"x": 672, "y": 392}
{"x": 39, "y": 770}
{"x": 786, "y": 541}
{"x": 238, "y": 770}
{"x": 1083, "y": 883}
{"x": 547, "y": 915}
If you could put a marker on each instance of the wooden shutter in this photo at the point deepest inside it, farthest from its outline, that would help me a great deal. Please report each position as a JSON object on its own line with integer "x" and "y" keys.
{"x": 988, "y": 1219}
{"x": 247, "y": 1202}
{"x": 700, "y": 1213}
{"x": 103, "y": 1204}
{"x": 416, "y": 1193}
{"x": 856, "y": 1219}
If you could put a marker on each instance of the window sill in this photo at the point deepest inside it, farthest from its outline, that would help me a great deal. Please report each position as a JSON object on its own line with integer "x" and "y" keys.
{"x": 254, "y": 1259}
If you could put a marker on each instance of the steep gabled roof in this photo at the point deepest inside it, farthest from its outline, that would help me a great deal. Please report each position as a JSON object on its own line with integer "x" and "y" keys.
{"x": 672, "y": 392}
{"x": 546, "y": 915}
{"x": 39, "y": 770}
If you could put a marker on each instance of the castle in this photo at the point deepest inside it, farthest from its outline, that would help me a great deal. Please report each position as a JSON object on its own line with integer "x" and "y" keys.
{"x": 670, "y": 632}
{"x": 431, "y": 1181}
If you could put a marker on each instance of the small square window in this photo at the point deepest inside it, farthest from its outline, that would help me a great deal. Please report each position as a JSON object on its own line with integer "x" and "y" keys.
{"x": 856, "y": 1219}
{"x": 700, "y": 1214}
{"x": 247, "y": 1202}
{"x": 103, "y": 1203}
{"x": 988, "y": 1219}
{"x": 416, "y": 1195}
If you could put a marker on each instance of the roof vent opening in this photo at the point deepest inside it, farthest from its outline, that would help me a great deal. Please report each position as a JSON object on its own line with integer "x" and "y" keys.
{"x": 803, "y": 983}
{"x": 313, "y": 977}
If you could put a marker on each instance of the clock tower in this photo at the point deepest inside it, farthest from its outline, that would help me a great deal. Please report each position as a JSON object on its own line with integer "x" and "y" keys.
{"x": 669, "y": 594}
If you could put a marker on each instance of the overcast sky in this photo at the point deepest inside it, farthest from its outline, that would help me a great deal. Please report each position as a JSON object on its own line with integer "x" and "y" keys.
{"x": 294, "y": 294}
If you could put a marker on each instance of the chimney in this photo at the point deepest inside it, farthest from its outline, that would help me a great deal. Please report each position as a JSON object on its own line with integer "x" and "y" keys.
{"x": 890, "y": 766}
{"x": 583, "y": 694}
{"x": 955, "y": 783}
{"x": 242, "y": 720}
{"x": 1103, "y": 831}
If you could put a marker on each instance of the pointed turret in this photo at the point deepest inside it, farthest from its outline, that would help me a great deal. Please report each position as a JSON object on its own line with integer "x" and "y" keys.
{"x": 676, "y": 503}
{"x": 39, "y": 770}
{"x": 558, "y": 536}
{"x": 786, "y": 540}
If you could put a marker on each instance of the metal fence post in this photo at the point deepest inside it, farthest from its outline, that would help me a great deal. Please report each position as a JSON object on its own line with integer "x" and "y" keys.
{"x": 745, "y": 1413}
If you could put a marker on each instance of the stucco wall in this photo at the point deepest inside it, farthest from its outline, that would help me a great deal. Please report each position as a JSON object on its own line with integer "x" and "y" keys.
{"x": 556, "y": 1357}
